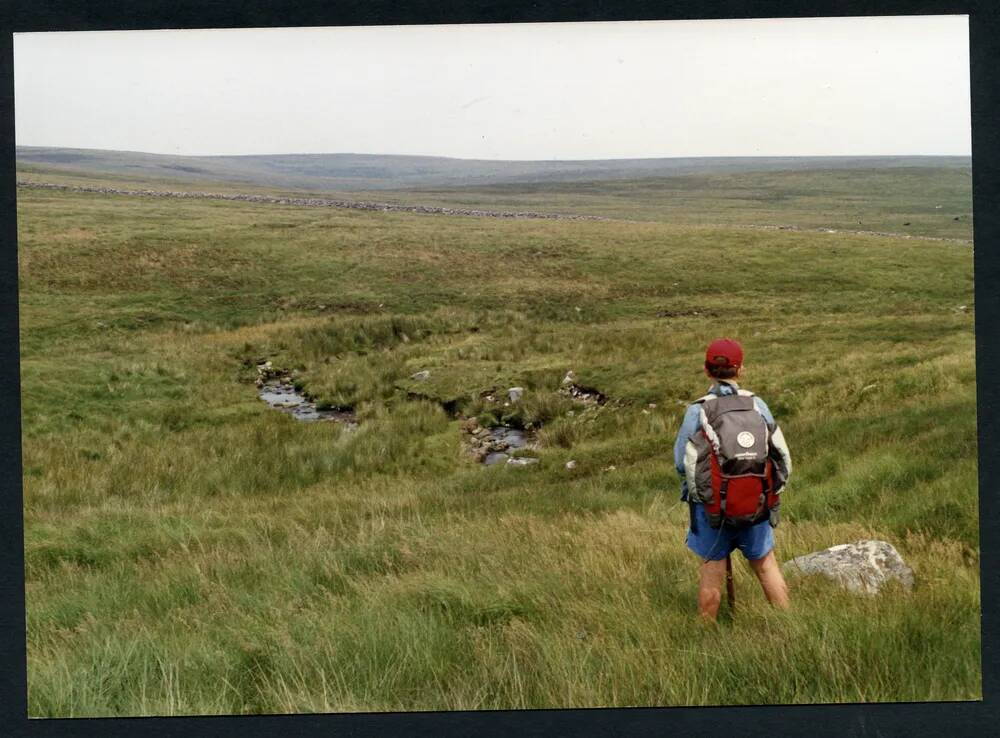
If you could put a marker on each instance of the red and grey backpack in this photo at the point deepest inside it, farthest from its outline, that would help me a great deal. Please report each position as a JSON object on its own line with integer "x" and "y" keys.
{"x": 736, "y": 463}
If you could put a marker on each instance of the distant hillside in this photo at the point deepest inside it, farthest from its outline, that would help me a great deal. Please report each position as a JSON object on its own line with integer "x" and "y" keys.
{"x": 356, "y": 172}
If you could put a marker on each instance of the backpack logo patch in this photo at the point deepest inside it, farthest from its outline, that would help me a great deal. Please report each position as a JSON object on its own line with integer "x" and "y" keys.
{"x": 745, "y": 439}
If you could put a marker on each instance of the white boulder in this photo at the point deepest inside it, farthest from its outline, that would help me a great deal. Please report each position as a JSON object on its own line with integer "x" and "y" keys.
{"x": 863, "y": 566}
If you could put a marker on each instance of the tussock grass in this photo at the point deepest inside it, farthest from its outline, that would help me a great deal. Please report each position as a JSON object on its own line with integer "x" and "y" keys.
{"x": 190, "y": 551}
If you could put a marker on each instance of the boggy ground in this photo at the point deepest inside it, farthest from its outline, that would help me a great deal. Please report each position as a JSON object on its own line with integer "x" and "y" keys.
{"x": 190, "y": 550}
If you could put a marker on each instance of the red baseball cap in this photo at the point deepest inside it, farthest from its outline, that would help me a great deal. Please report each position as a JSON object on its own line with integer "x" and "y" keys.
{"x": 724, "y": 352}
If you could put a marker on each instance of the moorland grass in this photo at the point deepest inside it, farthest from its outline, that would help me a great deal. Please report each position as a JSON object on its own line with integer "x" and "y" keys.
{"x": 190, "y": 551}
{"x": 925, "y": 201}
{"x": 931, "y": 200}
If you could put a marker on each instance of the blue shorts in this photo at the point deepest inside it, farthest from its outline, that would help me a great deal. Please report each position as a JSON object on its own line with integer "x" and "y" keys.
{"x": 715, "y": 544}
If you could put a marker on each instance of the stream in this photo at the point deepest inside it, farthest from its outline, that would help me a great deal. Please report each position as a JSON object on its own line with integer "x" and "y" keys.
{"x": 495, "y": 445}
{"x": 284, "y": 397}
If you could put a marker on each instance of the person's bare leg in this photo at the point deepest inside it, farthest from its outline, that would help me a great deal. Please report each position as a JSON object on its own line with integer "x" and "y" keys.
{"x": 713, "y": 576}
{"x": 771, "y": 580}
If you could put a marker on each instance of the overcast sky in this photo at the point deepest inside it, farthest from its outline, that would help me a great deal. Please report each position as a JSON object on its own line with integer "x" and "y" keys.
{"x": 804, "y": 87}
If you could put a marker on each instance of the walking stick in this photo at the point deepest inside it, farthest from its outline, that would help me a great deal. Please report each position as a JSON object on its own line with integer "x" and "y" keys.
{"x": 730, "y": 589}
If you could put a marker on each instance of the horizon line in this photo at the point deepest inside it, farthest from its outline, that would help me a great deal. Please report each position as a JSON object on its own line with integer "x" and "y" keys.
{"x": 534, "y": 161}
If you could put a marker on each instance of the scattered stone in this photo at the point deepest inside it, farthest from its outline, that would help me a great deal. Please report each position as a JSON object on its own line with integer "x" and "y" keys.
{"x": 569, "y": 378}
{"x": 667, "y": 313}
{"x": 514, "y": 394}
{"x": 522, "y": 461}
{"x": 863, "y": 567}
{"x": 314, "y": 202}
{"x": 586, "y": 395}
{"x": 266, "y": 372}
{"x": 652, "y": 406}
{"x": 486, "y": 444}
{"x": 868, "y": 387}
{"x": 571, "y": 464}
{"x": 963, "y": 307}
{"x": 880, "y": 234}
{"x": 610, "y": 468}
{"x": 420, "y": 376}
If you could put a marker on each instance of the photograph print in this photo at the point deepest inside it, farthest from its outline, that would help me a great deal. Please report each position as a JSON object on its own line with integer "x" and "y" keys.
{"x": 497, "y": 367}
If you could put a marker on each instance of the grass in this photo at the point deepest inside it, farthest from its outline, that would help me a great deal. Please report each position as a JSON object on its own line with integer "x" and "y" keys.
{"x": 928, "y": 201}
{"x": 919, "y": 201}
{"x": 189, "y": 551}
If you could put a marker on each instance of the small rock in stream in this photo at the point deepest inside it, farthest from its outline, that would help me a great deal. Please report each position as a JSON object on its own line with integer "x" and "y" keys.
{"x": 522, "y": 461}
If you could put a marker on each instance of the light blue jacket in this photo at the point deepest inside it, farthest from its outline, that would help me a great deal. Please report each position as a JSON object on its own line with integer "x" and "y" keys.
{"x": 691, "y": 423}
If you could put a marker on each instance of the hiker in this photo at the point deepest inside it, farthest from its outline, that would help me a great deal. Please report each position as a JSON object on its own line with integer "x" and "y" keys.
{"x": 734, "y": 462}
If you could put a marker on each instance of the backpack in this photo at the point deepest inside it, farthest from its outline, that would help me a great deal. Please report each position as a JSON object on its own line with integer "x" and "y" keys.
{"x": 732, "y": 466}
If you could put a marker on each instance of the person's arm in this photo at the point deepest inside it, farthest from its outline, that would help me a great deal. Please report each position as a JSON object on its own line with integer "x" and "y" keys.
{"x": 782, "y": 456}
{"x": 688, "y": 427}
